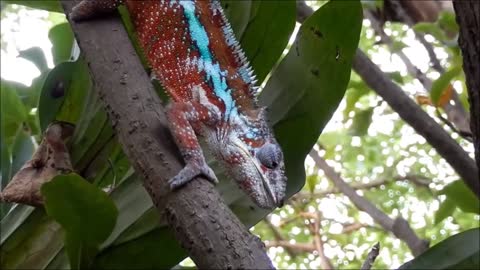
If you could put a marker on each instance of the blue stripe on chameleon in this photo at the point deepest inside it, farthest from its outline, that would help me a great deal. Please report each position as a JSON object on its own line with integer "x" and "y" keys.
{"x": 213, "y": 71}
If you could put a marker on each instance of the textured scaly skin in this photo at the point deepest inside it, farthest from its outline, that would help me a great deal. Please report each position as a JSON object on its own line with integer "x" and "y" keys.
{"x": 192, "y": 50}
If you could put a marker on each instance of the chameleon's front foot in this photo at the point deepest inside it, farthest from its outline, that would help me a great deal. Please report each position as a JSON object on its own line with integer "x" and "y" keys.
{"x": 190, "y": 171}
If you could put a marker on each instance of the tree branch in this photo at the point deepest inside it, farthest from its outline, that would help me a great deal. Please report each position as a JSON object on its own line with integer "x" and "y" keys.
{"x": 317, "y": 239}
{"x": 423, "y": 124}
{"x": 399, "y": 227}
{"x": 455, "y": 112}
{"x": 372, "y": 256}
{"x": 279, "y": 238}
{"x": 212, "y": 235}
{"x": 468, "y": 18}
{"x": 418, "y": 180}
{"x": 412, "y": 114}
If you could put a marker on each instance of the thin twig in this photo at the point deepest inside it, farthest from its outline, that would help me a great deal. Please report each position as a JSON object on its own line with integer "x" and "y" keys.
{"x": 418, "y": 180}
{"x": 279, "y": 238}
{"x": 372, "y": 256}
{"x": 325, "y": 262}
{"x": 301, "y": 247}
{"x": 464, "y": 134}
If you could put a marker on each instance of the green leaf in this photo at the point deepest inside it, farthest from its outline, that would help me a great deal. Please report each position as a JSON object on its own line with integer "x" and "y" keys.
{"x": 61, "y": 36}
{"x": 147, "y": 251}
{"x": 267, "y": 34}
{"x": 86, "y": 213}
{"x": 361, "y": 122}
{"x": 307, "y": 86}
{"x": 63, "y": 93}
{"x": 396, "y": 76}
{"x": 445, "y": 210}
{"x": 53, "y": 93}
{"x": 36, "y": 56}
{"x": 398, "y": 45}
{"x": 312, "y": 181}
{"x": 22, "y": 150}
{"x": 238, "y": 14}
{"x": 80, "y": 85}
{"x": 49, "y": 5}
{"x": 460, "y": 251}
{"x": 440, "y": 84}
{"x": 6, "y": 162}
{"x": 35, "y": 239}
{"x": 356, "y": 90}
{"x": 446, "y": 20}
{"x": 462, "y": 196}
{"x": 14, "y": 113}
{"x": 430, "y": 28}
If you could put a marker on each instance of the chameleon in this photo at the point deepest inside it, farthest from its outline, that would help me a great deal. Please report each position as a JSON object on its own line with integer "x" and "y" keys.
{"x": 191, "y": 48}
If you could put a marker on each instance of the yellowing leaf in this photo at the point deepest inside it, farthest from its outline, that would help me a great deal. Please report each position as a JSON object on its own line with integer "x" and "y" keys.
{"x": 446, "y": 96}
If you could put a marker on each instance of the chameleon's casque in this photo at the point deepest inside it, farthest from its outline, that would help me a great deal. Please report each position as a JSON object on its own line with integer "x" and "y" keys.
{"x": 195, "y": 55}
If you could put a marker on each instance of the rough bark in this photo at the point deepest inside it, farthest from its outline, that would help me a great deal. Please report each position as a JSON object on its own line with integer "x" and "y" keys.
{"x": 211, "y": 234}
{"x": 468, "y": 18}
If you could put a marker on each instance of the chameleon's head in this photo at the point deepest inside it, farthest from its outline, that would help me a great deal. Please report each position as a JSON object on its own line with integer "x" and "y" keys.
{"x": 255, "y": 160}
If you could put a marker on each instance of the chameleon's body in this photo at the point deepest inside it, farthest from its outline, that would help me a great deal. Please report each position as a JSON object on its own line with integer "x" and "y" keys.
{"x": 193, "y": 52}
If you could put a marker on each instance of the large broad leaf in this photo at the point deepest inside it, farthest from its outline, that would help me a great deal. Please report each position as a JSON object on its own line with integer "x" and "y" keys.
{"x": 461, "y": 251}
{"x": 53, "y": 93}
{"x": 309, "y": 83}
{"x": 32, "y": 243}
{"x": 267, "y": 34}
{"x": 61, "y": 36}
{"x": 86, "y": 214}
{"x": 63, "y": 93}
{"x": 156, "y": 250}
{"x": 238, "y": 14}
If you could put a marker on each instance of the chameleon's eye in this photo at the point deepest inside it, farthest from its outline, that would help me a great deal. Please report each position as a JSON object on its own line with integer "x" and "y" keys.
{"x": 270, "y": 155}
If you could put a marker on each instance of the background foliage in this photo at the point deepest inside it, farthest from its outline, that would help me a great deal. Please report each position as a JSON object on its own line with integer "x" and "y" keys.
{"x": 365, "y": 141}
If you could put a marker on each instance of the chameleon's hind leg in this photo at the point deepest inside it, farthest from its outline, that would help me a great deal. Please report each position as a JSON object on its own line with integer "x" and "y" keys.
{"x": 91, "y": 8}
{"x": 186, "y": 119}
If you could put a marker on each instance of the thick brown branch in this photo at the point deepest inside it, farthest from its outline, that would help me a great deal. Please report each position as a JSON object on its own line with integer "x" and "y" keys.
{"x": 399, "y": 227}
{"x": 468, "y": 18}
{"x": 212, "y": 235}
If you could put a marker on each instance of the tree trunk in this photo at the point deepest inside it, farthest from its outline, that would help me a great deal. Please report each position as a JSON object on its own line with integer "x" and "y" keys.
{"x": 212, "y": 235}
{"x": 468, "y": 18}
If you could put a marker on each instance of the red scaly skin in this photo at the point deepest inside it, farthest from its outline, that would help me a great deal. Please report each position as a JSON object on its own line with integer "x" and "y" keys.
{"x": 193, "y": 52}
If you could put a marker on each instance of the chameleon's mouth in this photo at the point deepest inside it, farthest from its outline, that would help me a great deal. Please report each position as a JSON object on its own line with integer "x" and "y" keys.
{"x": 267, "y": 187}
